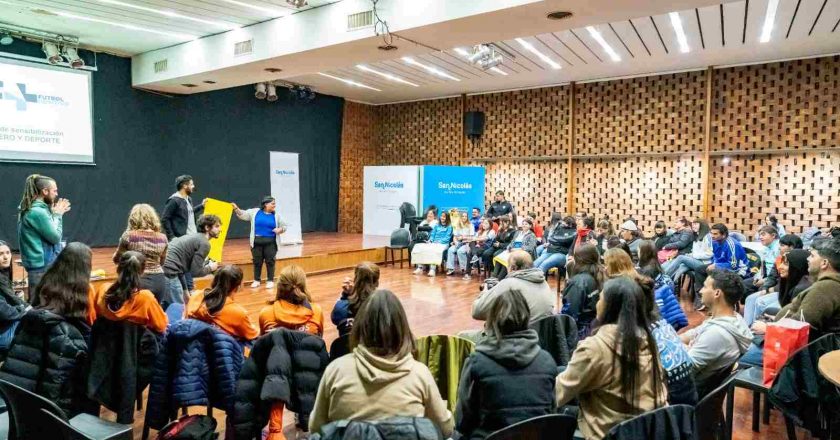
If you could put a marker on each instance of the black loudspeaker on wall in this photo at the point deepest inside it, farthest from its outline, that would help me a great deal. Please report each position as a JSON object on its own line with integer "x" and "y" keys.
{"x": 473, "y": 124}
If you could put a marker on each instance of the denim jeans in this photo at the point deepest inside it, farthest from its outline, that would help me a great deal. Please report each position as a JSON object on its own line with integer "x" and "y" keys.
{"x": 757, "y": 303}
{"x": 754, "y": 356}
{"x": 540, "y": 250}
{"x": 176, "y": 290}
{"x": 33, "y": 277}
{"x": 461, "y": 251}
{"x": 546, "y": 261}
{"x": 682, "y": 264}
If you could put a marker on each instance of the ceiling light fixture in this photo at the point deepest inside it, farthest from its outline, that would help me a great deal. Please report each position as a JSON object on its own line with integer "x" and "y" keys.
{"x": 168, "y": 13}
{"x": 769, "y": 19}
{"x": 71, "y": 54}
{"x": 268, "y": 11}
{"x": 676, "y": 23}
{"x": 124, "y": 26}
{"x": 52, "y": 52}
{"x": 430, "y": 69}
{"x": 604, "y": 45}
{"x": 462, "y": 52}
{"x": 260, "y": 90}
{"x": 297, "y": 3}
{"x": 349, "y": 82}
{"x": 530, "y": 48}
{"x": 6, "y": 39}
{"x": 479, "y": 51}
{"x": 499, "y": 71}
{"x": 385, "y": 75}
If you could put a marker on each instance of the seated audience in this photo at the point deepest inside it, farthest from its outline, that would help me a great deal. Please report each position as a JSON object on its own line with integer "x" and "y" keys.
{"x": 585, "y": 234}
{"x": 558, "y": 242}
{"x": 554, "y": 221}
{"x": 525, "y": 240}
{"x": 483, "y": 241}
{"x": 504, "y": 237}
{"x": 755, "y": 304}
{"x": 380, "y": 378}
{"x": 462, "y": 237}
{"x": 536, "y": 228}
{"x": 679, "y": 243}
{"x": 769, "y": 239}
{"x": 660, "y": 235}
{"x": 722, "y": 338}
{"x": 187, "y": 254}
{"x": 292, "y": 308}
{"x": 523, "y": 278}
{"x": 615, "y": 242}
{"x": 618, "y": 264}
{"x": 615, "y": 374}
{"x": 602, "y": 233}
{"x": 353, "y": 294}
{"x": 649, "y": 265}
{"x": 424, "y": 229}
{"x": 508, "y": 378}
{"x": 12, "y": 308}
{"x": 773, "y": 222}
{"x": 126, "y": 300}
{"x": 586, "y": 277}
{"x": 144, "y": 235}
{"x": 431, "y": 254}
{"x": 630, "y": 235}
{"x": 475, "y": 220}
{"x": 793, "y": 274}
{"x": 49, "y": 347}
{"x": 216, "y": 305}
{"x": 699, "y": 255}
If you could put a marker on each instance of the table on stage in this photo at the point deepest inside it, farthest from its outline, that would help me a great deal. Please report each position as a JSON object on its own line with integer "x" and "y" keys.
{"x": 829, "y": 366}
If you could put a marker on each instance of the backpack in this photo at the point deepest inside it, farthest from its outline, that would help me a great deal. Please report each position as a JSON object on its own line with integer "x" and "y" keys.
{"x": 194, "y": 427}
{"x": 395, "y": 428}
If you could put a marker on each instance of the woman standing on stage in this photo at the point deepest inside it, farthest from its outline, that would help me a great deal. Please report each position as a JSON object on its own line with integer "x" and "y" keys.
{"x": 266, "y": 227}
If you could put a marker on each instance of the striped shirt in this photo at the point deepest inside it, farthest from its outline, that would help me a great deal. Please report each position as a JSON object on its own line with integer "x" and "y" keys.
{"x": 149, "y": 243}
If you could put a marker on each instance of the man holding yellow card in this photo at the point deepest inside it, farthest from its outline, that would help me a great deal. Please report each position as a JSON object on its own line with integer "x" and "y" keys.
{"x": 266, "y": 227}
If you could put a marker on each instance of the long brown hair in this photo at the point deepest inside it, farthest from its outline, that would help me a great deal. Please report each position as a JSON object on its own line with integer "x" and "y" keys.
{"x": 65, "y": 286}
{"x": 32, "y": 187}
{"x": 618, "y": 263}
{"x": 382, "y": 327}
{"x": 588, "y": 260}
{"x": 366, "y": 280}
{"x": 648, "y": 260}
{"x": 291, "y": 285}
{"x": 143, "y": 216}
{"x": 129, "y": 270}
{"x": 225, "y": 282}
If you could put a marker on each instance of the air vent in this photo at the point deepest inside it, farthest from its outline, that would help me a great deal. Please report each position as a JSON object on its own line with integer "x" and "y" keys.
{"x": 189, "y": 85}
{"x": 359, "y": 20}
{"x": 243, "y": 48}
{"x": 161, "y": 66}
{"x": 207, "y": 81}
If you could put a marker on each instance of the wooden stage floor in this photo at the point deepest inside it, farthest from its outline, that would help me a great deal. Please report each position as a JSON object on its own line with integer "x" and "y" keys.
{"x": 442, "y": 305}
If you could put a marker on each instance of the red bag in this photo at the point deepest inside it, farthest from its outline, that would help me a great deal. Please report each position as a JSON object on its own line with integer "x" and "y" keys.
{"x": 781, "y": 340}
{"x": 666, "y": 254}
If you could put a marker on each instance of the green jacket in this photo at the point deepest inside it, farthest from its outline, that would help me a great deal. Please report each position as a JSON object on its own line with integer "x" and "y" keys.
{"x": 818, "y": 305}
{"x": 39, "y": 235}
{"x": 445, "y": 356}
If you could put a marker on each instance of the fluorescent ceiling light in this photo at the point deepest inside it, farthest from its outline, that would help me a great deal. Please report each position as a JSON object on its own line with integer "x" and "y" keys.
{"x": 461, "y": 51}
{"x": 270, "y": 11}
{"x": 168, "y": 14}
{"x": 430, "y": 69}
{"x": 676, "y": 23}
{"x": 499, "y": 71}
{"x": 349, "y": 82}
{"x": 385, "y": 75}
{"x": 124, "y": 26}
{"x": 530, "y": 48}
{"x": 769, "y": 18}
{"x": 600, "y": 39}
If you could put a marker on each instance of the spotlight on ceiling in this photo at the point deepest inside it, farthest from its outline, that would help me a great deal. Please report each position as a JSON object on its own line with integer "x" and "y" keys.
{"x": 297, "y": 3}
{"x": 485, "y": 57}
{"x": 71, "y": 54}
{"x": 6, "y": 39}
{"x": 52, "y": 52}
{"x": 302, "y": 93}
{"x": 271, "y": 94}
{"x": 260, "y": 92}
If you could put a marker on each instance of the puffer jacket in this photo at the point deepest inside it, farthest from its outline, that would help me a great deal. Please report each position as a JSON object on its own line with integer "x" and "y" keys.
{"x": 681, "y": 241}
{"x": 561, "y": 240}
{"x": 47, "y": 357}
{"x": 198, "y": 365}
{"x": 669, "y": 307}
{"x": 284, "y": 366}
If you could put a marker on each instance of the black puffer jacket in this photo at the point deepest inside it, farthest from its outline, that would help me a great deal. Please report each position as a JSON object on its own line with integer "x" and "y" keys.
{"x": 561, "y": 240}
{"x": 46, "y": 340}
{"x": 681, "y": 241}
{"x": 284, "y": 366}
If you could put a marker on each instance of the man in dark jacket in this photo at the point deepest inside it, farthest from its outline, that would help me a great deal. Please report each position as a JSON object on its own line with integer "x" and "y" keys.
{"x": 187, "y": 255}
{"x": 499, "y": 207}
{"x": 179, "y": 214}
{"x": 681, "y": 240}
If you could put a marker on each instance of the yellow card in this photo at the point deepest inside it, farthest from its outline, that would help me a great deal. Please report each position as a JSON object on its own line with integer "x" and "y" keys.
{"x": 224, "y": 210}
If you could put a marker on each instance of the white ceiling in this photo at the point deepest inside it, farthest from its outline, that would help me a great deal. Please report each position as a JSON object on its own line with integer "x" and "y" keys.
{"x": 144, "y": 25}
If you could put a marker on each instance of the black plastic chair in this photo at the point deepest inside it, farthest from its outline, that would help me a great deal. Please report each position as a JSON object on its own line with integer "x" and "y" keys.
{"x": 65, "y": 431}
{"x": 752, "y": 379}
{"x": 27, "y": 422}
{"x": 711, "y": 422}
{"x": 548, "y": 427}
{"x": 400, "y": 239}
{"x": 339, "y": 347}
{"x": 675, "y": 422}
{"x": 408, "y": 216}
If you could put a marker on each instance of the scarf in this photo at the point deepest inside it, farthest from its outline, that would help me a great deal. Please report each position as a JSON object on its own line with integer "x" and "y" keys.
{"x": 581, "y": 235}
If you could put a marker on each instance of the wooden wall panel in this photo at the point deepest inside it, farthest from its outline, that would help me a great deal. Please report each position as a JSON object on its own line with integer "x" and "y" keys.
{"x": 529, "y": 186}
{"x": 802, "y": 189}
{"x": 652, "y": 114}
{"x": 358, "y": 149}
{"x": 420, "y": 133}
{"x": 795, "y": 104}
{"x": 522, "y": 123}
{"x": 647, "y": 189}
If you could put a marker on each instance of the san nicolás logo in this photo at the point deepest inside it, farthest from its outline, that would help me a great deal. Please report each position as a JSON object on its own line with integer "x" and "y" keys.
{"x": 285, "y": 172}
{"x": 22, "y": 98}
{"x": 379, "y": 184}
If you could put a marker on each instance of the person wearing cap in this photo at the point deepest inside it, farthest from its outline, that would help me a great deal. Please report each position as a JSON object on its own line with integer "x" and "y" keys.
{"x": 629, "y": 234}
{"x": 266, "y": 227}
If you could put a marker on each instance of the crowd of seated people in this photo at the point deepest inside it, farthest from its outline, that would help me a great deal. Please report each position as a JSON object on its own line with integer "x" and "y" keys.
{"x": 630, "y": 358}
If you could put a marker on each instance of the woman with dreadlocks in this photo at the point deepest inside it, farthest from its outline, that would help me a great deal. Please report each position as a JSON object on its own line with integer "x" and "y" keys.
{"x": 39, "y": 226}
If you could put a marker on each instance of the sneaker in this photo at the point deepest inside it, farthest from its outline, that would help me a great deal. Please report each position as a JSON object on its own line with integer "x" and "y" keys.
{"x": 418, "y": 271}
{"x": 269, "y": 285}
{"x": 467, "y": 276}
{"x": 450, "y": 272}
{"x": 255, "y": 284}
{"x": 432, "y": 273}
{"x": 474, "y": 259}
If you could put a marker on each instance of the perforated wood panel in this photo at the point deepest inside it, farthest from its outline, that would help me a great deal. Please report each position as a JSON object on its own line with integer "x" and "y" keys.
{"x": 654, "y": 114}
{"x": 529, "y": 186}
{"x": 648, "y": 189}
{"x": 420, "y": 133}
{"x": 794, "y": 104}
{"x": 802, "y": 189}
{"x": 358, "y": 149}
{"x": 522, "y": 123}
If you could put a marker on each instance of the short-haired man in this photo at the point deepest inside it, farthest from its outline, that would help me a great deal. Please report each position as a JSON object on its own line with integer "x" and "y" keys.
{"x": 179, "y": 214}
{"x": 475, "y": 219}
{"x": 720, "y": 340}
{"x": 188, "y": 255}
{"x": 769, "y": 238}
{"x": 629, "y": 234}
{"x": 499, "y": 207}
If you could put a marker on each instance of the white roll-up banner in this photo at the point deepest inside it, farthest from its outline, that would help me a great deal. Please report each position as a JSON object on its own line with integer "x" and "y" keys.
{"x": 385, "y": 189}
{"x": 285, "y": 188}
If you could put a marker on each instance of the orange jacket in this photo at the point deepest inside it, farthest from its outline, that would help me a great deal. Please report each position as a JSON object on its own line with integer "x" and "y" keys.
{"x": 142, "y": 309}
{"x": 233, "y": 318}
{"x": 291, "y": 316}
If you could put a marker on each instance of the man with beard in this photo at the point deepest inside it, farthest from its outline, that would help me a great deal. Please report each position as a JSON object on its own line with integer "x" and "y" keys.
{"x": 188, "y": 255}
{"x": 179, "y": 214}
{"x": 40, "y": 226}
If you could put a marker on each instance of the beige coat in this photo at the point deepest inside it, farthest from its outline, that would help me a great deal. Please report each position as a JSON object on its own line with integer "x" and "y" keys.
{"x": 361, "y": 386}
{"x": 593, "y": 375}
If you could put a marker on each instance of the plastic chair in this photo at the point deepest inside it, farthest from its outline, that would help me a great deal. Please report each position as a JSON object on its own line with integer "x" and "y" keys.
{"x": 548, "y": 427}
{"x": 711, "y": 422}
{"x": 339, "y": 347}
{"x": 752, "y": 379}
{"x": 400, "y": 239}
{"x": 66, "y": 431}
{"x": 27, "y": 422}
{"x": 675, "y": 422}
{"x": 738, "y": 236}
{"x": 408, "y": 216}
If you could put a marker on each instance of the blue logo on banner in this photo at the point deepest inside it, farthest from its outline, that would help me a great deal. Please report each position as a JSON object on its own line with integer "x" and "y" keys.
{"x": 285, "y": 172}
{"x": 19, "y": 95}
{"x": 378, "y": 184}
{"x": 449, "y": 187}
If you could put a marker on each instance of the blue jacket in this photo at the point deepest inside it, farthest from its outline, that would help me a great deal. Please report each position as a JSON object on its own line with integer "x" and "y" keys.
{"x": 341, "y": 314}
{"x": 441, "y": 234}
{"x": 197, "y": 366}
{"x": 669, "y": 307}
{"x": 728, "y": 254}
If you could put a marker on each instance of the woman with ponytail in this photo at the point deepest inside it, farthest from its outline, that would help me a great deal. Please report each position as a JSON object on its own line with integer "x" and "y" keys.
{"x": 292, "y": 308}
{"x": 125, "y": 300}
{"x": 216, "y": 305}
